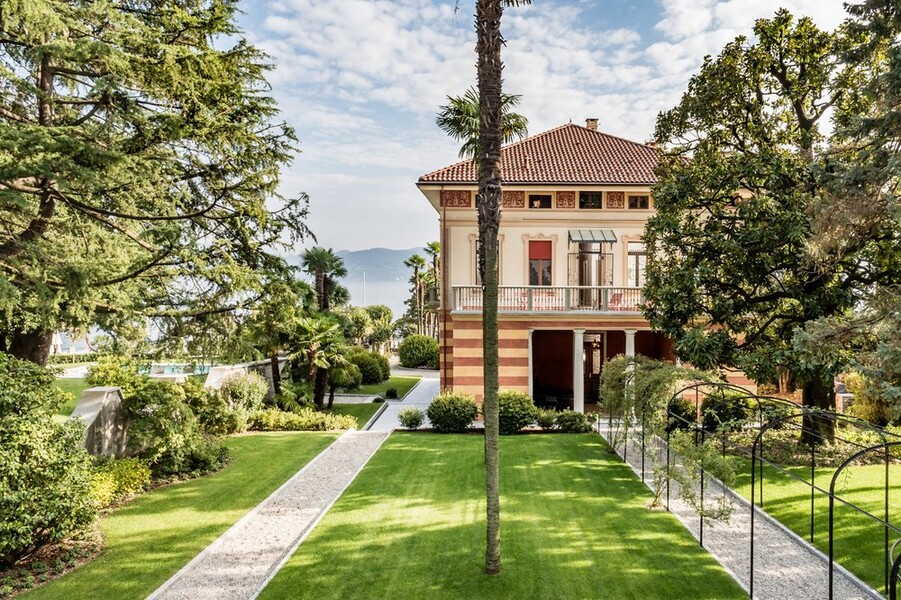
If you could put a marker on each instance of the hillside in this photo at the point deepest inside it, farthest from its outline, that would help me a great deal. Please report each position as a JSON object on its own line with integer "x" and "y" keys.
{"x": 379, "y": 264}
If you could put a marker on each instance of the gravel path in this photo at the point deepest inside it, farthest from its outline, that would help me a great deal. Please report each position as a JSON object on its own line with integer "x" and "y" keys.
{"x": 420, "y": 396}
{"x": 240, "y": 562}
{"x": 785, "y": 565}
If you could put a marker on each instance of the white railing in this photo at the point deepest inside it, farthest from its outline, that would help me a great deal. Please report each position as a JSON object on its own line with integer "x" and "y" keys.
{"x": 537, "y": 298}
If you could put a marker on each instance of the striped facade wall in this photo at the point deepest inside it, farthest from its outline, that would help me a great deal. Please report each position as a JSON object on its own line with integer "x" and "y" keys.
{"x": 461, "y": 347}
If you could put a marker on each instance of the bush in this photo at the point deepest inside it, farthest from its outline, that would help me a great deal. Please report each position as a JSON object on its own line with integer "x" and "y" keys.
{"x": 163, "y": 427}
{"x": 45, "y": 472}
{"x": 515, "y": 411}
{"x": 391, "y": 393}
{"x": 410, "y": 417}
{"x": 570, "y": 421}
{"x": 418, "y": 351}
{"x": 373, "y": 366}
{"x": 305, "y": 419}
{"x": 114, "y": 480}
{"x": 683, "y": 413}
{"x": 213, "y": 413}
{"x": 547, "y": 419}
{"x": 452, "y": 413}
{"x": 117, "y": 371}
{"x": 725, "y": 412}
{"x": 244, "y": 391}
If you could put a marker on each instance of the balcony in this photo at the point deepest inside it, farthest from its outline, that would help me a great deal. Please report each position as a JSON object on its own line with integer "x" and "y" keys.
{"x": 547, "y": 299}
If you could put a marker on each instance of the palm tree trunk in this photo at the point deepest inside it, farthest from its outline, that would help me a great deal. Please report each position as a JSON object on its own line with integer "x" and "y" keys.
{"x": 320, "y": 384}
{"x": 488, "y": 47}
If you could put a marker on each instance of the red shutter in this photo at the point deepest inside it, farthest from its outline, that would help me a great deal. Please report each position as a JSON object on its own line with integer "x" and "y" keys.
{"x": 540, "y": 250}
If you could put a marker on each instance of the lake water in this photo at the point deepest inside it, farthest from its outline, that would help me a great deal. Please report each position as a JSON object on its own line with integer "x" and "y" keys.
{"x": 390, "y": 293}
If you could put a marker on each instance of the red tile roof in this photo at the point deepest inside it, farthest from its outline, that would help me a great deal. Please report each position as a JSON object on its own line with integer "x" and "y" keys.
{"x": 566, "y": 154}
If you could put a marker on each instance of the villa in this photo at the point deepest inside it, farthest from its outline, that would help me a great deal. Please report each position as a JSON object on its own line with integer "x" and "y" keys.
{"x": 571, "y": 264}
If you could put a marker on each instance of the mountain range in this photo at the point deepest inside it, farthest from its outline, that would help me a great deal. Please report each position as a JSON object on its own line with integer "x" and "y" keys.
{"x": 378, "y": 264}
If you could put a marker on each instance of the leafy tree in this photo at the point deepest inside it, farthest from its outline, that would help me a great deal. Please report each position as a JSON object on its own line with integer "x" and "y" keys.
{"x": 382, "y": 326}
{"x": 731, "y": 276}
{"x": 137, "y": 154}
{"x": 272, "y": 325}
{"x": 489, "y": 67}
{"x": 862, "y": 206}
{"x": 459, "y": 119}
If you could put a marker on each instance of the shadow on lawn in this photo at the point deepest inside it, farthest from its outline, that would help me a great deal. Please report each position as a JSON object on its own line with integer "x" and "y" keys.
{"x": 574, "y": 524}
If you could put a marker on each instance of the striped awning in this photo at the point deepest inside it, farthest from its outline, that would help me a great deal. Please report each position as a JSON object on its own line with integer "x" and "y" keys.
{"x": 605, "y": 236}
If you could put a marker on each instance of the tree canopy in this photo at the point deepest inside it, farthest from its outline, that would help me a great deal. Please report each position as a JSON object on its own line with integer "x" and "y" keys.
{"x": 459, "y": 119}
{"x": 732, "y": 272}
{"x": 138, "y": 156}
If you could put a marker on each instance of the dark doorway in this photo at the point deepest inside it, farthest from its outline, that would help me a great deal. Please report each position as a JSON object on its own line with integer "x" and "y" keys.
{"x": 552, "y": 368}
{"x": 593, "y": 347}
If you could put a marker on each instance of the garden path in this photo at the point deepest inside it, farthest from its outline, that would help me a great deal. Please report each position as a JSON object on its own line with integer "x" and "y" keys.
{"x": 785, "y": 565}
{"x": 420, "y": 397}
{"x": 240, "y": 562}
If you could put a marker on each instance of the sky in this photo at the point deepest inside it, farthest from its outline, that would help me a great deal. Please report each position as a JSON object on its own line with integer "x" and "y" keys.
{"x": 362, "y": 80}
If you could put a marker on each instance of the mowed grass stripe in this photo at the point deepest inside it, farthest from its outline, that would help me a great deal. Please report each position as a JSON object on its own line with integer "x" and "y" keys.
{"x": 150, "y": 539}
{"x": 574, "y": 524}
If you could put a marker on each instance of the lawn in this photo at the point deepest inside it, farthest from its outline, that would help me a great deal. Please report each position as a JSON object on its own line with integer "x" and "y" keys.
{"x": 575, "y": 524}
{"x": 74, "y": 387}
{"x": 363, "y": 412}
{"x": 151, "y": 538}
{"x": 401, "y": 384}
{"x": 859, "y": 541}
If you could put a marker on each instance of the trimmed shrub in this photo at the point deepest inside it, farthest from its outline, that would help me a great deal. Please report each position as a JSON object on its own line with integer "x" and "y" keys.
{"x": 571, "y": 421}
{"x": 244, "y": 391}
{"x": 450, "y": 412}
{"x": 373, "y": 366}
{"x": 547, "y": 419}
{"x": 384, "y": 365}
{"x": 515, "y": 411}
{"x": 45, "y": 472}
{"x": 305, "y": 419}
{"x": 114, "y": 480}
{"x": 418, "y": 351}
{"x": 410, "y": 417}
{"x": 391, "y": 393}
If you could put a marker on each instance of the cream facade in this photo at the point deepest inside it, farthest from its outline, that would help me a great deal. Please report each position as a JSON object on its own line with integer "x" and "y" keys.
{"x": 571, "y": 268}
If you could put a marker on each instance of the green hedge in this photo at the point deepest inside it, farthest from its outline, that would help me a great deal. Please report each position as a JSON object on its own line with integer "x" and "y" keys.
{"x": 45, "y": 472}
{"x": 305, "y": 419}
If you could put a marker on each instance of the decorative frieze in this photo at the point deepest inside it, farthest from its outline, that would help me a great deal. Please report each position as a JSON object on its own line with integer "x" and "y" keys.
{"x": 514, "y": 199}
{"x": 566, "y": 199}
{"x": 456, "y": 198}
{"x": 616, "y": 200}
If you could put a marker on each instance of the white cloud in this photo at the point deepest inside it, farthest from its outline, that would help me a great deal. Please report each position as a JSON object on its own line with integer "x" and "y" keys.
{"x": 361, "y": 80}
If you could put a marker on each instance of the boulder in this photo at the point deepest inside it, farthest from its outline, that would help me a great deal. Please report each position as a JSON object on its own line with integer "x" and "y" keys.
{"x": 106, "y": 422}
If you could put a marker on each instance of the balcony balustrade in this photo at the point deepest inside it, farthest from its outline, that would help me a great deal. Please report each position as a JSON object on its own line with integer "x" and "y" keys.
{"x": 550, "y": 299}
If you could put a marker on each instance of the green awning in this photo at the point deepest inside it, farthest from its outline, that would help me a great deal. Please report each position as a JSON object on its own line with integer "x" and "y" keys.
{"x": 604, "y": 236}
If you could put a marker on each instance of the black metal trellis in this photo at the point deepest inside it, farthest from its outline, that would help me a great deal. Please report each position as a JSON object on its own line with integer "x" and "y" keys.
{"x": 768, "y": 413}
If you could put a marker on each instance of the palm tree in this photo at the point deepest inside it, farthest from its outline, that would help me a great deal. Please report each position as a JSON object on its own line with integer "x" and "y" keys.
{"x": 433, "y": 250}
{"x": 490, "y": 67}
{"x": 417, "y": 263}
{"x": 321, "y": 344}
{"x": 325, "y": 266}
{"x": 459, "y": 118}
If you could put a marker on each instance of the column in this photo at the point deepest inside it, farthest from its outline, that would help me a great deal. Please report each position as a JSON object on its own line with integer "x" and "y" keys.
{"x": 630, "y": 369}
{"x": 578, "y": 371}
{"x": 531, "y": 367}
